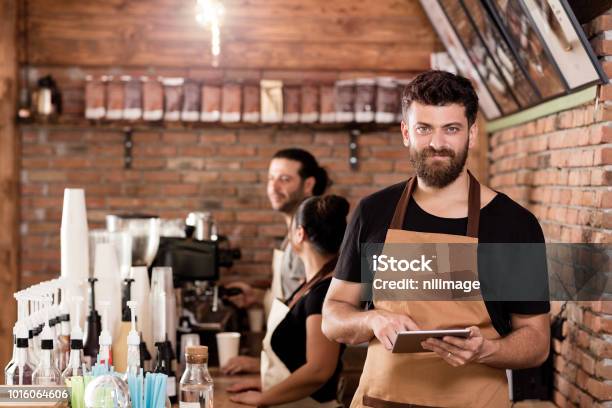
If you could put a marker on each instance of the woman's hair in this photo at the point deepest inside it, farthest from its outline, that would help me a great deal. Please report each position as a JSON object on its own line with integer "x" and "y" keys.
{"x": 324, "y": 220}
{"x": 310, "y": 168}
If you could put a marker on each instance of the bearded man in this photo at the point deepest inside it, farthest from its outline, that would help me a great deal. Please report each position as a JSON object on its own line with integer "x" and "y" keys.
{"x": 293, "y": 175}
{"x": 443, "y": 203}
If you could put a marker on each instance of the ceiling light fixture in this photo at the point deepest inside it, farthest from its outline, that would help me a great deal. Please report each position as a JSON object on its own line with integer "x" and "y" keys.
{"x": 209, "y": 13}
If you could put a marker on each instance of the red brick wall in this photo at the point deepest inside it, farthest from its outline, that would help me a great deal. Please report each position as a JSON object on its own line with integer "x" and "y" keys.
{"x": 559, "y": 167}
{"x": 174, "y": 172}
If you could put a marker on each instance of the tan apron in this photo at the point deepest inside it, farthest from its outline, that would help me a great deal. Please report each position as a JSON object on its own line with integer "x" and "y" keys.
{"x": 425, "y": 379}
{"x": 273, "y": 370}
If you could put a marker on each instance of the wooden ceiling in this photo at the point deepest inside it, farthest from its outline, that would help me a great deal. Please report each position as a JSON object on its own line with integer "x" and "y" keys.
{"x": 381, "y": 35}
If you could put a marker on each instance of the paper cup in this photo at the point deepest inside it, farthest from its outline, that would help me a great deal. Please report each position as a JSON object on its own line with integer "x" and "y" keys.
{"x": 228, "y": 344}
{"x": 256, "y": 319}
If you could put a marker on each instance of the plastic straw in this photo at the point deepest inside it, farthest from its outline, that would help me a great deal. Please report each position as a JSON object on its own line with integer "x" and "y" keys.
{"x": 147, "y": 390}
{"x": 78, "y": 392}
{"x": 135, "y": 387}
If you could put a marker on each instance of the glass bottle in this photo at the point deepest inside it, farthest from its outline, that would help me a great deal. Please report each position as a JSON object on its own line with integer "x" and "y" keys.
{"x": 196, "y": 387}
{"x": 63, "y": 341}
{"x": 46, "y": 373}
{"x": 14, "y": 355}
{"x": 75, "y": 362}
{"x": 20, "y": 373}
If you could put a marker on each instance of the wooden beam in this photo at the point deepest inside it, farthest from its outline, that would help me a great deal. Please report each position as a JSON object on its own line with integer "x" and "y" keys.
{"x": 244, "y": 8}
{"x": 240, "y": 55}
{"x": 256, "y": 34}
{"x": 9, "y": 175}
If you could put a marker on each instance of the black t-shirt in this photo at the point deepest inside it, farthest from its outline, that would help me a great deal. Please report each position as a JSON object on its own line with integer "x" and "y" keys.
{"x": 501, "y": 221}
{"x": 289, "y": 339}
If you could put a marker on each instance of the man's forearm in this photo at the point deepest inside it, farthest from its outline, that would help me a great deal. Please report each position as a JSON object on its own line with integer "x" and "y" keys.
{"x": 523, "y": 348}
{"x": 345, "y": 323}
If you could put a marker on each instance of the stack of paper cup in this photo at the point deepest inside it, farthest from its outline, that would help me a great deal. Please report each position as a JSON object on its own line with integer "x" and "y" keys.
{"x": 161, "y": 281}
{"x": 74, "y": 245}
{"x": 108, "y": 287}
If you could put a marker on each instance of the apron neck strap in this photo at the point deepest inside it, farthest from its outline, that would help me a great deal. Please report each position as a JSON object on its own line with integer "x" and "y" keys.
{"x": 399, "y": 215}
{"x": 324, "y": 272}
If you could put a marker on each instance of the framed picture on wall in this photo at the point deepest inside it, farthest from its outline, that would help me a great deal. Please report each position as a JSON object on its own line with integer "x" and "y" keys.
{"x": 518, "y": 53}
{"x": 480, "y": 56}
{"x": 566, "y": 42}
{"x": 528, "y": 46}
{"x": 460, "y": 58}
{"x": 521, "y": 85}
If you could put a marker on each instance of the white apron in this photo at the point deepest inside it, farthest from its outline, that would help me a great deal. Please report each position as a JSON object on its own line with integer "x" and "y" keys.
{"x": 273, "y": 370}
{"x": 276, "y": 290}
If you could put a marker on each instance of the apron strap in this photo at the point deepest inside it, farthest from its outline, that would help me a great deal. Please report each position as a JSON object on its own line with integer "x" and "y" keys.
{"x": 397, "y": 222}
{"x": 325, "y": 272}
{"x": 399, "y": 215}
{"x": 473, "y": 207}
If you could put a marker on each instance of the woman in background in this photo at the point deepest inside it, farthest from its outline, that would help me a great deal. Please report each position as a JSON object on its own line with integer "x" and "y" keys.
{"x": 300, "y": 367}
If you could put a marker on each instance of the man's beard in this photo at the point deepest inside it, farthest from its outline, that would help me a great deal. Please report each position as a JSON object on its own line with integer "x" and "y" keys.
{"x": 439, "y": 174}
{"x": 291, "y": 204}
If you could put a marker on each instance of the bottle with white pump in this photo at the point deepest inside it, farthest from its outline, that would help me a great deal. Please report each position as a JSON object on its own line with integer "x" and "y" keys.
{"x": 20, "y": 373}
{"x": 46, "y": 373}
{"x": 37, "y": 326}
{"x": 14, "y": 355}
{"x": 32, "y": 353}
{"x": 76, "y": 360}
{"x": 63, "y": 338}
{"x": 133, "y": 344}
{"x": 20, "y": 347}
{"x": 51, "y": 318}
{"x": 105, "y": 340}
{"x": 38, "y": 320}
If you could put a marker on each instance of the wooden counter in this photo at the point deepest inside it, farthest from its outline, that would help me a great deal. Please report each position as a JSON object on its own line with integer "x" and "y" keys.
{"x": 221, "y": 382}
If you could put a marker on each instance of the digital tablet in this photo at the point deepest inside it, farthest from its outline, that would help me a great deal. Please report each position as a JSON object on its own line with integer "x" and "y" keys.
{"x": 410, "y": 341}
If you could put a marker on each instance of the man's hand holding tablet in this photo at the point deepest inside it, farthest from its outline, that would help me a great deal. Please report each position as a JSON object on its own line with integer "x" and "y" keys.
{"x": 458, "y": 351}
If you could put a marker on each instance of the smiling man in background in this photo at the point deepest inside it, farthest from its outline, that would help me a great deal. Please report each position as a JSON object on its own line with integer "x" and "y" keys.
{"x": 293, "y": 175}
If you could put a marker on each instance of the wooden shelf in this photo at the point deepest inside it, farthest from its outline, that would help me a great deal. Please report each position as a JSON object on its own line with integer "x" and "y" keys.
{"x": 140, "y": 125}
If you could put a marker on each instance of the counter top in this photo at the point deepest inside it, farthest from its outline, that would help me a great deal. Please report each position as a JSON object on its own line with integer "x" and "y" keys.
{"x": 221, "y": 382}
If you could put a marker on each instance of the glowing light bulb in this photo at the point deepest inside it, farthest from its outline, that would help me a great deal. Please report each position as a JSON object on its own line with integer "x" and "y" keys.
{"x": 209, "y": 13}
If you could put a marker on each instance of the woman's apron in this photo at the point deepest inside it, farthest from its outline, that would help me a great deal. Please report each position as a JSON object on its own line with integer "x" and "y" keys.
{"x": 276, "y": 288}
{"x": 425, "y": 379}
{"x": 273, "y": 370}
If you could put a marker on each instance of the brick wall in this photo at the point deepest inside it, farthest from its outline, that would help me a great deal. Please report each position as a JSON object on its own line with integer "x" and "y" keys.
{"x": 174, "y": 172}
{"x": 560, "y": 167}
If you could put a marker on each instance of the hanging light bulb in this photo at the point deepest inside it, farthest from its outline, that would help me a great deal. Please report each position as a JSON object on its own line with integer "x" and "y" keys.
{"x": 209, "y": 14}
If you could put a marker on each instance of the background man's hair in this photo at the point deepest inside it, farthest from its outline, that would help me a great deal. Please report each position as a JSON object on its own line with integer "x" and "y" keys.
{"x": 310, "y": 168}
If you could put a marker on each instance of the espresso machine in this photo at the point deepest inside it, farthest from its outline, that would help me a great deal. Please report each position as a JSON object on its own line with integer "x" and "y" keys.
{"x": 197, "y": 260}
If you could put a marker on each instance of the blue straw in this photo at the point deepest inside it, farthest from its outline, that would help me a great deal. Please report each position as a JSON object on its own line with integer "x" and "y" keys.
{"x": 147, "y": 390}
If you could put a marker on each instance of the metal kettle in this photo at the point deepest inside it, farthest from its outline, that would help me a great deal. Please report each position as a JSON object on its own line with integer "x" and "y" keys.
{"x": 201, "y": 225}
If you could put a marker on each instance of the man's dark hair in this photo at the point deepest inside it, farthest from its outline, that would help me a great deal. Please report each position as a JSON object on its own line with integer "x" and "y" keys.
{"x": 441, "y": 88}
{"x": 310, "y": 168}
